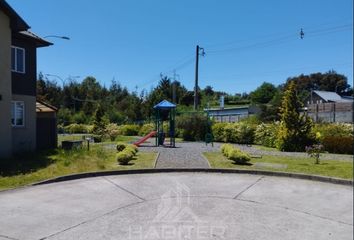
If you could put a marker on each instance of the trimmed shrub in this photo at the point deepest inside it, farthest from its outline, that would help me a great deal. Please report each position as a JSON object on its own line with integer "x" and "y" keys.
{"x": 126, "y": 154}
{"x": 121, "y": 146}
{"x": 124, "y": 157}
{"x": 235, "y": 154}
{"x": 132, "y": 149}
{"x": 338, "y": 144}
{"x": 225, "y": 149}
{"x": 239, "y": 157}
{"x": 146, "y": 129}
{"x": 129, "y": 130}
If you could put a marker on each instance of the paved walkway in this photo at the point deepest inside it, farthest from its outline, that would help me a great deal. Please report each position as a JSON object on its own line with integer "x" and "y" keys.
{"x": 179, "y": 206}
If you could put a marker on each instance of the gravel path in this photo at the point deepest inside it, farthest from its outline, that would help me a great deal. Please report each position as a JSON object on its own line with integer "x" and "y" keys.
{"x": 185, "y": 155}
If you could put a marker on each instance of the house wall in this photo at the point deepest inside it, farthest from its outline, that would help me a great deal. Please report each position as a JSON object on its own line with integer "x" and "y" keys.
{"x": 5, "y": 87}
{"x": 25, "y": 83}
{"x": 24, "y": 138}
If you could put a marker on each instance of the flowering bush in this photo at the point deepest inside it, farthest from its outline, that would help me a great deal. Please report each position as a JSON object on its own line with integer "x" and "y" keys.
{"x": 112, "y": 131}
{"x": 266, "y": 134}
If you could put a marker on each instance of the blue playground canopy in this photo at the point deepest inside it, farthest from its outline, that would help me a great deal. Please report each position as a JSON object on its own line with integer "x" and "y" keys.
{"x": 164, "y": 105}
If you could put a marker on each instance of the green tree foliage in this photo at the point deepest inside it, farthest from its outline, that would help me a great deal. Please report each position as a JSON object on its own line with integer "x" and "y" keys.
{"x": 264, "y": 93}
{"x": 268, "y": 99}
{"x": 48, "y": 91}
{"x": 329, "y": 81}
{"x": 99, "y": 123}
{"x": 77, "y": 101}
{"x": 295, "y": 129}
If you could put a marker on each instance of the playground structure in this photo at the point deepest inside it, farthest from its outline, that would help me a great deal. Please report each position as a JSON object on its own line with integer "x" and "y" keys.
{"x": 164, "y": 111}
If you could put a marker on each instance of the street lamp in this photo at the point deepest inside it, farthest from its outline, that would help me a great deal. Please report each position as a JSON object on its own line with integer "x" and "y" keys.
{"x": 61, "y": 79}
{"x": 56, "y": 36}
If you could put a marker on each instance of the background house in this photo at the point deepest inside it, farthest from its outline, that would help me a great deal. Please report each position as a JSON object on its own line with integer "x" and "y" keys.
{"x": 18, "y": 74}
{"x": 326, "y": 97}
{"x": 232, "y": 114}
{"x": 323, "y": 106}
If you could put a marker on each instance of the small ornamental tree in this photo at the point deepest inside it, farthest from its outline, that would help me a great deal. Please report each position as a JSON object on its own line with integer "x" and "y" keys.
{"x": 295, "y": 129}
{"x": 100, "y": 122}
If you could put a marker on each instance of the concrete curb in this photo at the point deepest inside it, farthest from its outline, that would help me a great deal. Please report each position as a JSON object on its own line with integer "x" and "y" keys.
{"x": 157, "y": 157}
{"x": 205, "y": 170}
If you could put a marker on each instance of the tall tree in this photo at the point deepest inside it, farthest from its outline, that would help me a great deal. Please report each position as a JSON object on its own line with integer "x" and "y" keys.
{"x": 329, "y": 81}
{"x": 295, "y": 128}
{"x": 264, "y": 93}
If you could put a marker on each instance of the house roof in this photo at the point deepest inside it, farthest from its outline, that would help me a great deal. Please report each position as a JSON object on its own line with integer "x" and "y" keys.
{"x": 44, "y": 107}
{"x": 20, "y": 27}
{"x": 40, "y": 42}
{"x": 16, "y": 22}
{"x": 164, "y": 105}
{"x": 331, "y": 96}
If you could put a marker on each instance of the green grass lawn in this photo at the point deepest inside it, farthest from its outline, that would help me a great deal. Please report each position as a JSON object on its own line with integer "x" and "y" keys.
{"x": 73, "y": 137}
{"x": 330, "y": 168}
{"x": 30, "y": 168}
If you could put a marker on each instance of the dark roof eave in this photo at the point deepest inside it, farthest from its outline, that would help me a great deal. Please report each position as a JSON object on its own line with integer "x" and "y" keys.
{"x": 16, "y": 22}
{"x": 55, "y": 109}
{"x": 40, "y": 42}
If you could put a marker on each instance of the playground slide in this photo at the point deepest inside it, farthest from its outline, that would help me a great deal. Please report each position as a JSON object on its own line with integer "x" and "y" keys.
{"x": 151, "y": 134}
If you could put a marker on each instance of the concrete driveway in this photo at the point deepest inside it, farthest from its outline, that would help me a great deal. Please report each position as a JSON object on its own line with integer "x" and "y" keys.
{"x": 179, "y": 206}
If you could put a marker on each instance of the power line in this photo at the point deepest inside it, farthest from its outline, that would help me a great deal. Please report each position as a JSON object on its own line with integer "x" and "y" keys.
{"x": 170, "y": 70}
{"x": 310, "y": 32}
{"x": 285, "y": 38}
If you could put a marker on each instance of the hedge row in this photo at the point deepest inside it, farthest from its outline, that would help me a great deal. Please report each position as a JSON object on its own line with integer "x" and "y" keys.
{"x": 335, "y": 137}
{"x": 241, "y": 132}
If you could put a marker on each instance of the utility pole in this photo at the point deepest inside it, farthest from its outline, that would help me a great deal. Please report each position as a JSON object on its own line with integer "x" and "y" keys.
{"x": 174, "y": 100}
{"x": 196, "y": 75}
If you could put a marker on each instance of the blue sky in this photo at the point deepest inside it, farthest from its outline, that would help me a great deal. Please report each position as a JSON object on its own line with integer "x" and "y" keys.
{"x": 246, "y": 42}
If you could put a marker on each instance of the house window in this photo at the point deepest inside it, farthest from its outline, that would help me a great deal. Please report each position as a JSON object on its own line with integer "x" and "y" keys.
{"x": 18, "y": 114}
{"x": 18, "y": 59}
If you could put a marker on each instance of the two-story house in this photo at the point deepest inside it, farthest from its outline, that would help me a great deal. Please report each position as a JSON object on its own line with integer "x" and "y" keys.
{"x": 18, "y": 76}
